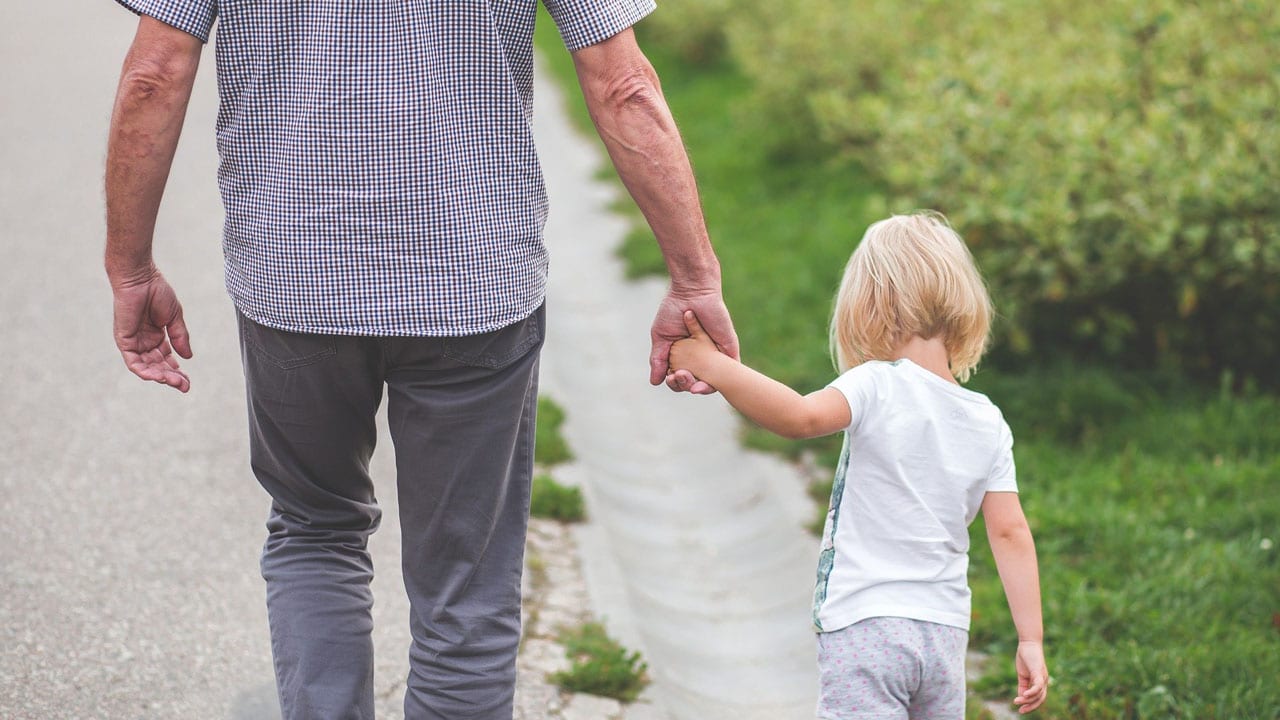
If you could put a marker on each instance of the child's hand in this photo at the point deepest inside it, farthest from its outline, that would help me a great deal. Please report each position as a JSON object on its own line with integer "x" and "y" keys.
{"x": 1033, "y": 677}
{"x": 695, "y": 352}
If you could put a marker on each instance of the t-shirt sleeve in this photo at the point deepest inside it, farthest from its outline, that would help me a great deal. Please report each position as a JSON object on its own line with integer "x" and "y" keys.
{"x": 1003, "y": 477}
{"x": 584, "y": 23}
{"x": 857, "y": 384}
{"x": 194, "y": 17}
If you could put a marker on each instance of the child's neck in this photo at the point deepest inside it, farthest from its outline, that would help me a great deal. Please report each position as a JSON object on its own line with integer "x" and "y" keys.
{"x": 929, "y": 354}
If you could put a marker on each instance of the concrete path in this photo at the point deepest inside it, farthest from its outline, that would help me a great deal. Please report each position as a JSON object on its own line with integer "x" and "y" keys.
{"x": 132, "y": 525}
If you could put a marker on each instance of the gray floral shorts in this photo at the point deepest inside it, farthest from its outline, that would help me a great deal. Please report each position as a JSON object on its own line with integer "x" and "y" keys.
{"x": 891, "y": 668}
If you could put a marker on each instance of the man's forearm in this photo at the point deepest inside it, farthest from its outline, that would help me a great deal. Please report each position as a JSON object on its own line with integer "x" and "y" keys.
{"x": 151, "y": 103}
{"x": 632, "y": 117}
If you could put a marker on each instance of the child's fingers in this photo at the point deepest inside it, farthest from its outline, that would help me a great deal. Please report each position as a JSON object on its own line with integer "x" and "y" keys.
{"x": 1032, "y": 696}
{"x": 1027, "y": 704}
{"x": 695, "y": 327}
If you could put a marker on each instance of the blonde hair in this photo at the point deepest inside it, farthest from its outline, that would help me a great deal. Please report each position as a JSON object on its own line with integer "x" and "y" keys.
{"x": 911, "y": 275}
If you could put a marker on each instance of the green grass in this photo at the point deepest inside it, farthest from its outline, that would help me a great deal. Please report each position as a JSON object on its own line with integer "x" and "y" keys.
{"x": 1158, "y": 572}
{"x": 550, "y": 447}
{"x": 1155, "y": 504}
{"x": 554, "y": 501}
{"x": 601, "y": 666}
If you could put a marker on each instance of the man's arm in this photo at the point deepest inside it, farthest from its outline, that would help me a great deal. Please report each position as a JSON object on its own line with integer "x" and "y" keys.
{"x": 151, "y": 103}
{"x": 631, "y": 115}
{"x": 1015, "y": 555}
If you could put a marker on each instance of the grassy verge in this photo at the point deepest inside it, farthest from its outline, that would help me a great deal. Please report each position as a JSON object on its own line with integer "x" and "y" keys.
{"x": 549, "y": 446}
{"x": 601, "y": 666}
{"x": 553, "y": 501}
{"x": 1154, "y": 504}
{"x": 548, "y": 498}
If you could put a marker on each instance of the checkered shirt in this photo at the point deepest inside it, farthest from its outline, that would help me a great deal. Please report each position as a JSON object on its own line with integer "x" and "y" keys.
{"x": 377, "y": 163}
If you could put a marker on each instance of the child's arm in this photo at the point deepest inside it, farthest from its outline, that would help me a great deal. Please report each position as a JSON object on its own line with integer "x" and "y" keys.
{"x": 767, "y": 402}
{"x": 1015, "y": 554}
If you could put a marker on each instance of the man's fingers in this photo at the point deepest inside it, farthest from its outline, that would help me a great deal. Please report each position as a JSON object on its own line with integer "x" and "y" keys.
{"x": 179, "y": 336}
{"x": 730, "y": 346}
{"x": 679, "y": 381}
{"x": 658, "y": 358}
{"x": 701, "y": 388}
{"x": 158, "y": 373}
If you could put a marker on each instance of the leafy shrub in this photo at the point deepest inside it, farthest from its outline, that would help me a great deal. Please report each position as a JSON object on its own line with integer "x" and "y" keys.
{"x": 554, "y": 501}
{"x": 1115, "y": 166}
{"x": 549, "y": 445}
{"x": 601, "y": 666}
{"x": 693, "y": 29}
{"x": 802, "y": 51}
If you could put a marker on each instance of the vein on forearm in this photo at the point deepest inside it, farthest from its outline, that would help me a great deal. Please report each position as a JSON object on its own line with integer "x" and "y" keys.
{"x": 640, "y": 134}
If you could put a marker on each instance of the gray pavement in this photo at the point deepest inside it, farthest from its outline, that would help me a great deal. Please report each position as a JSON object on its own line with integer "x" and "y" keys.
{"x": 131, "y": 522}
{"x": 128, "y": 551}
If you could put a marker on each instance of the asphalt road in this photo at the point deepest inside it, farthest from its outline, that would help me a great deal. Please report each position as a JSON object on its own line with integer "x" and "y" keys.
{"x": 131, "y": 522}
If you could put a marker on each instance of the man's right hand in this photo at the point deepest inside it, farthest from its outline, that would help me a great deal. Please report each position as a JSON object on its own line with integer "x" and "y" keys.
{"x": 149, "y": 328}
{"x": 151, "y": 102}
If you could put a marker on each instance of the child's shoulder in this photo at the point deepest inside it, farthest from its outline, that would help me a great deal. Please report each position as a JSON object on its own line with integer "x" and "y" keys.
{"x": 883, "y": 377}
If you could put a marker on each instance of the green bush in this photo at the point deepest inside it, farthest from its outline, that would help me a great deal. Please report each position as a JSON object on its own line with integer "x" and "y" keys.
{"x": 692, "y": 29}
{"x": 549, "y": 445}
{"x": 554, "y": 501}
{"x": 601, "y": 666}
{"x": 1115, "y": 166}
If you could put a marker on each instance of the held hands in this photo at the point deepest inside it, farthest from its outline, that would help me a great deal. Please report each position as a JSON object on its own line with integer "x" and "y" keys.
{"x": 670, "y": 326}
{"x": 1033, "y": 677}
{"x": 693, "y": 354}
{"x": 147, "y": 310}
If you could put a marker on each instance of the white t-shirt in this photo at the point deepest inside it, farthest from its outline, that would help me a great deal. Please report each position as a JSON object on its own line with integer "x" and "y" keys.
{"x": 919, "y": 455}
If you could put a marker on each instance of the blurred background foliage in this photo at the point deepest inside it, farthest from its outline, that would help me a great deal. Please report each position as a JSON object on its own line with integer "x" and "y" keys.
{"x": 1114, "y": 168}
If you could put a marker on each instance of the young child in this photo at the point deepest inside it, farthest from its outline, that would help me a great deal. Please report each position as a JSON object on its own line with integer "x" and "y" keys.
{"x": 921, "y": 456}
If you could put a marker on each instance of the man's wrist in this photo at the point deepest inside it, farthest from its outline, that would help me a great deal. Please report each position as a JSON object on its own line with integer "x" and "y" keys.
{"x": 690, "y": 284}
{"x": 129, "y": 273}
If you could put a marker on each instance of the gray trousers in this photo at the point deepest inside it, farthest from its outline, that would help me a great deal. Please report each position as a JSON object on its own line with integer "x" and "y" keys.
{"x": 461, "y": 414}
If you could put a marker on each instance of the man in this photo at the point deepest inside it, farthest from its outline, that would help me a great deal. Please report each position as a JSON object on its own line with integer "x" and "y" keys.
{"x": 384, "y": 213}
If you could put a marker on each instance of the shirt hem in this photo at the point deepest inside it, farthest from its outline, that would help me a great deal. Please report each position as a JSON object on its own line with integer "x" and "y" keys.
{"x": 839, "y": 621}
{"x": 502, "y": 321}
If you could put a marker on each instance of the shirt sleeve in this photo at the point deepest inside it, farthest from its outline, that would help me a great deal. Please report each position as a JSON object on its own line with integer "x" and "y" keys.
{"x": 584, "y": 23}
{"x": 857, "y": 384}
{"x": 1003, "y": 477}
{"x": 194, "y": 17}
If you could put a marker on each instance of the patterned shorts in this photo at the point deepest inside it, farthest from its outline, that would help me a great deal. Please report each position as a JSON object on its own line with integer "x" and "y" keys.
{"x": 890, "y": 668}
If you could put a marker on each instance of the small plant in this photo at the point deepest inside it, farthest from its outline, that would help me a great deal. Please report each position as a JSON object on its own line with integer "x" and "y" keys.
{"x": 554, "y": 501}
{"x": 549, "y": 445}
{"x": 601, "y": 666}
